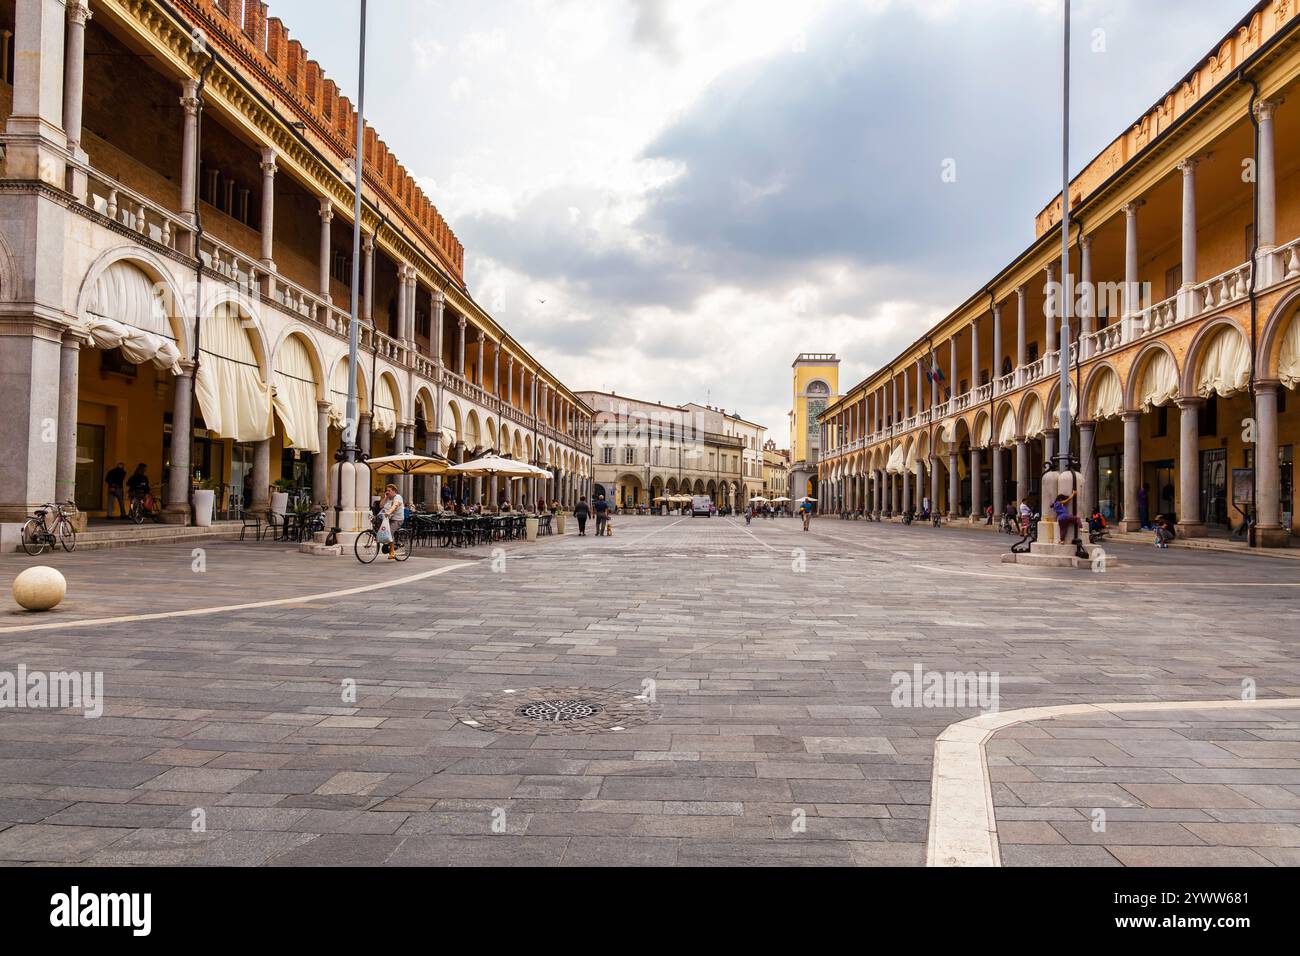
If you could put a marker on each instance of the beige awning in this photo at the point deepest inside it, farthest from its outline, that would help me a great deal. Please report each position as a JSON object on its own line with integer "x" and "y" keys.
{"x": 1288, "y": 368}
{"x": 339, "y": 393}
{"x": 1107, "y": 397}
{"x": 126, "y": 312}
{"x": 235, "y": 402}
{"x": 1034, "y": 420}
{"x": 895, "y": 464}
{"x": 1225, "y": 365}
{"x": 384, "y": 421}
{"x": 1074, "y": 407}
{"x": 295, "y": 395}
{"x": 1159, "y": 381}
{"x": 1007, "y": 429}
{"x": 985, "y": 433}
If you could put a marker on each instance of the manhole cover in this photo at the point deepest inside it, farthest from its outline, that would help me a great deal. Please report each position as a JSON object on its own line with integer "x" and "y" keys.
{"x": 567, "y": 710}
{"x": 559, "y": 710}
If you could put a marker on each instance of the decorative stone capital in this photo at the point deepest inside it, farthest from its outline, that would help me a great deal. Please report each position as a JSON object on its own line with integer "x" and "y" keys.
{"x": 1021, "y": 292}
{"x": 461, "y": 323}
{"x": 267, "y": 165}
{"x": 1131, "y": 209}
{"x": 1265, "y": 109}
{"x": 78, "y": 12}
{"x": 1267, "y": 385}
{"x": 189, "y": 102}
{"x": 439, "y": 299}
{"x": 367, "y": 243}
{"x": 1188, "y": 167}
{"x": 326, "y": 210}
{"x": 1189, "y": 401}
{"x": 482, "y": 336}
{"x": 1086, "y": 242}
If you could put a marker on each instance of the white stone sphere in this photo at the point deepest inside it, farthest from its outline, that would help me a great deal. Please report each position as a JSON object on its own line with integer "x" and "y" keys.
{"x": 40, "y": 588}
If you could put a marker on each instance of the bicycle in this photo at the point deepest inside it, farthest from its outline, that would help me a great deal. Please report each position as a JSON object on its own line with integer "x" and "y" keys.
{"x": 139, "y": 510}
{"x": 37, "y": 535}
{"x": 368, "y": 546}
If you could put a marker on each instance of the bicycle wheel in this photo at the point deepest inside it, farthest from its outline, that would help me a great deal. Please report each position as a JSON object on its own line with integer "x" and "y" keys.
{"x": 367, "y": 547}
{"x": 66, "y": 534}
{"x": 35, "y": 539}
{"x": 136, "y": 514}
{"x": 402, "y": 545}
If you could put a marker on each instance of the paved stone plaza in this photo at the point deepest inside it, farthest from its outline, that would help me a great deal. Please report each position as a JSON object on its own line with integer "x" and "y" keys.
{"x": 714, "y": 694}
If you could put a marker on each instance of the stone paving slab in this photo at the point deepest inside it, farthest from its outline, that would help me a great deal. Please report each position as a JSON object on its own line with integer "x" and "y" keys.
{"x": 1161, "y": 816}
{"x": 322, "y": 732}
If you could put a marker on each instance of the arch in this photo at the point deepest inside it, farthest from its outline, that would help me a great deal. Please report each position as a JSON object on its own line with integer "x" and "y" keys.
{"x": 1279, "y": 342}
{"x": 982, "y": 432}
{"x": 297, "y": 389}
{"x": 473, "y": 431}
{"x": 1054, "y": 403}
{"x": 144, "y": 260}
{"x": 1218, "y": 361}
{"x": 227, "y": 301}
{"x": 1103, "y": 395}
{"x": 490, "y": 433}
{"x": 1156, "y": 361}
{"x": 424, "y": 405}
{"x": 519, "y": 452}
{"x": 451, "y": 425}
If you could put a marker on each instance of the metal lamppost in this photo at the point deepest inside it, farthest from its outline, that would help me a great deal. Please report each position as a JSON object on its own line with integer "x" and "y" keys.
{"x": 348, "y": 447}
{"x": 1063, "y": 456}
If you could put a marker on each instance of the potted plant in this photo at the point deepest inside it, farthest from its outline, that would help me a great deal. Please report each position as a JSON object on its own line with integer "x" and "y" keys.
{"x": 205, "y": 500}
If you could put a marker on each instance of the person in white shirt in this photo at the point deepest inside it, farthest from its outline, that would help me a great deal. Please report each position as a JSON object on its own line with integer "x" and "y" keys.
{"x": 394, "y": 509}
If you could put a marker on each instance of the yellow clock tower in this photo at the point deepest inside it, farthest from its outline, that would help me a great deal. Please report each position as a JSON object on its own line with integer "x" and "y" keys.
{"x": 816, "y": 385}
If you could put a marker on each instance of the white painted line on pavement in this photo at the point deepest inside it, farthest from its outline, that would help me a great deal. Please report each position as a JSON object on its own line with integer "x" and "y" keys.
{"x": 963, "y": 827}
{"x": 195, "y": 612}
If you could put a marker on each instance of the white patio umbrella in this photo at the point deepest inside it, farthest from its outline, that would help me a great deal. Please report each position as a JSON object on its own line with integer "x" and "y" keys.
{"x": 409, "y": 464}
{"x": 493, "y": 465}
{"x": 806, "y": 498}
{"x": 780, "y": 499}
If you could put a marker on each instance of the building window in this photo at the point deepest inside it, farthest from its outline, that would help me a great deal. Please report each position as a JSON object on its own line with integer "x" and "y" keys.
{"x": 629, "y": 456}
{"x": 607, "y": 456}
{"x": 1160, "y": 424}
{"x": 1173, "y": 280}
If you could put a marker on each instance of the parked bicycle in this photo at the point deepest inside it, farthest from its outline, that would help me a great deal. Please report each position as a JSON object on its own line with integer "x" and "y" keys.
{"x": 142, "y": 507}
{"x": 368, "y": 547}
{"x": 38, "y": 534}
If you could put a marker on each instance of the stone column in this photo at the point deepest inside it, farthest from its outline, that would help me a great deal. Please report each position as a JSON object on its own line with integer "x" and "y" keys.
{"x": 178, "y": 475}
{"x": 1132, "y": 290}
{"x": 326, "y": 215}
{"x": 1087, "y": 469}
{"x": 1087, "y": 295}
{"x": 261, "y": 477}
{"x": 919, "y": 472}
{"x": 999, "y": 485}
{"x": 952, "y": 363}
{"x": 996, "y": 369}
{"x": 74, "y": 77}
{"x": 1022, "y": 470}
{"x": 934, "y": 486}
{"x": 268, "y": 209}
{"x": 974, "y": 354}
{"x": 1187, "y": 306}
{"x": 1051, "y": 308}
{"x": 976, "y": 505}
{"x": 954, "y": 487}
{"x": 65, "y": 462}
{"x": 439, "y": 304}
{"x": 496, "y": 369}
{"x": 189, "y": 163}
{"x": 1269, "y": 532}
{"x": 510, "y": 379}
{"x": 403, "y": 298}
{"x": 37, "y": 146}
{"x": 920, "y": 387}
{"x": 460, "y": 347}
{"x": 1132, "y": 470}
{"x": 1266, "y": 190}
{"x": 1022, "y": 331}
{"x": 363, "y": 431}
{"x": 482, "y": 340}
{"x": 1189, "y": 468}
{"x": 368, "y": 278}
{"x": 320, "y": 460}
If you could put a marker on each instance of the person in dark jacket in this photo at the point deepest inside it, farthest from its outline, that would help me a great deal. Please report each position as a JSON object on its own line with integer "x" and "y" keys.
{"x": 116, "y": 480}
{"x": 602, "y": 515}
{"x": 582, "y": 512}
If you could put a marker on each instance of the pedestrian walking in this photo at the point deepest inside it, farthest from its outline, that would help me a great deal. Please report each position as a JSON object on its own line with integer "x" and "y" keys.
{"x": 806, "y": 507}
{"x": 582, "y": 511}
{"x": 116, "y": 480}
{"x": 602, "y": 515}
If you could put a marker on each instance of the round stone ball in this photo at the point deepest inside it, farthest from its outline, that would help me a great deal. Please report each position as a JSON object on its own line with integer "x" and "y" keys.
{"x": 40, "y": 588}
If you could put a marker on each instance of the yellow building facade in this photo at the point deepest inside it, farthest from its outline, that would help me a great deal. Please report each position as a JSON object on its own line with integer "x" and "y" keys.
{"x": 1184, "y": 354}
{"x": 816, "y": 383}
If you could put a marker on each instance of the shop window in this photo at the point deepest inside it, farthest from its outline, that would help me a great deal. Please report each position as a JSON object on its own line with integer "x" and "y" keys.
{"x": 1160, "y": 423}
{"x": 113, "y": 362}
{"x": 1208, "y": 417}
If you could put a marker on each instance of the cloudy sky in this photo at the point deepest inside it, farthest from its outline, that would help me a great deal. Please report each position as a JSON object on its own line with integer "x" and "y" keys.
{"x": 701, "y": 189}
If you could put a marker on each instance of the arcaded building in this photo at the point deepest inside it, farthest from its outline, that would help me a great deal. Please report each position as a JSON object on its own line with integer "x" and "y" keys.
{"x": 176, "y": 269}
{"x": 1184, "y": 349}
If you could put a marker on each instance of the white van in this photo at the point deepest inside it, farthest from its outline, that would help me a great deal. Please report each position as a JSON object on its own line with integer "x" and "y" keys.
{"x": 701, "y": 505}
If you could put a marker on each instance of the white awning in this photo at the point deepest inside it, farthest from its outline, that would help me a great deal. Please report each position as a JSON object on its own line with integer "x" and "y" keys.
{"x": 985, "y": 433}
{"x": 1225, "y": 365}
{"x": 236, "y": 403}
{"x": 384, "y": 421}
{"x": 295, "y": 395}
{"x": 1074, "y": 407}
{"x": 1107, "y": 397}
{"x": 339, "y": 393}
{"x": 1034, "y": 419}
{"x": 126, "y": 312}
{"x": 895, "y": 464}
{"x": 1288, "y": 368}
{"x": 1159, "y": 381}
{"x": 1007, "y": 429}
